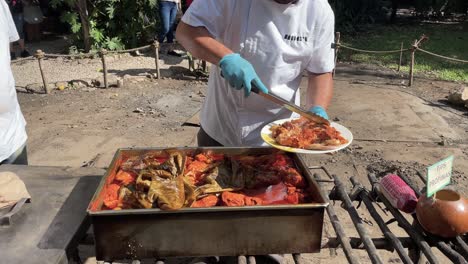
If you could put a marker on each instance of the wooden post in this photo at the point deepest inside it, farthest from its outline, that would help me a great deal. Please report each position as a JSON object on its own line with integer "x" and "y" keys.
{"x": 401, "y": 56}
{"x": 156, "y": 58}
{"x": 413, "y": 51}
{"x": 204, "y": 68}
{"x": 103, "y": 53}
{"x": 337, "y": 47}
{"x": 411, "y": 69}
{"x": 39, "y": 56}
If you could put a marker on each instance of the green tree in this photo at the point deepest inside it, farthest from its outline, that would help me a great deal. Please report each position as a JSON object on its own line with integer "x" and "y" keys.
{"x": 110, "y": 24}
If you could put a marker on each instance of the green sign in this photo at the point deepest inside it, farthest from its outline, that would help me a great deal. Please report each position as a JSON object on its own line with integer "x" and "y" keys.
{"x": 439, "y": 175}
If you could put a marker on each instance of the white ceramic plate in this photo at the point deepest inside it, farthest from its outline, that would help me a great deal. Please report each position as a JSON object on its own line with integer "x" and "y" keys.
{"x": 266, "y": 136}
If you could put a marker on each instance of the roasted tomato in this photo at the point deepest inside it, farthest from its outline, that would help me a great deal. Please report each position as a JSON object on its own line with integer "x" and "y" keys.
{"x": 232, "y": 199}
{"x": 207, "y": 201}
{"x": 249, "y": 201}
{"x": 111, "y": 199}
{"x": 125, "y": 177}
{"x": 291, "y": 177}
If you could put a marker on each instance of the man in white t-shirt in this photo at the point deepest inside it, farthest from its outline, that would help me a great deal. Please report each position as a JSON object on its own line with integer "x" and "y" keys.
{"x": 12, "y": 124}
{"x": 270, "y": 43}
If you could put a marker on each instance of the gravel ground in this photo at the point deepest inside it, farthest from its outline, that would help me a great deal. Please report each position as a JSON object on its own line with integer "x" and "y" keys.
{"x": 124, "y": 65}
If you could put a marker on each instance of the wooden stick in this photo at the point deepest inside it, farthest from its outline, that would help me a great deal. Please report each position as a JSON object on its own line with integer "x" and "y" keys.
{"x": 337, "y": 43}
{"x": 103, "y": 53}
{"x": 156, "y": 58}
{"x": 401, "y": 56}
{"x": 411, "y": 70}
{"x": 40, "y": 55}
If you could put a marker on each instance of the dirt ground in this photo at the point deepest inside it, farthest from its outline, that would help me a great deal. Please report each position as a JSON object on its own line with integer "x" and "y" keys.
{"x": 396, "y": 129}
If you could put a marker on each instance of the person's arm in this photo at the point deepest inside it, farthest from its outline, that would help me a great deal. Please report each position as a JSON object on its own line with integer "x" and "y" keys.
{"x": 319, "y": 93}
{"x": 319, "y": 90}
{"x": 320, "y": 83}
{"x": 199, "y": 42}
{"x": 236, "y": 70}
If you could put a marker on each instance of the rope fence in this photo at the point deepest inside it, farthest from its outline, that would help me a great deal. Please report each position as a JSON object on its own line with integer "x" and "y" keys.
{"x": 155, "y": 46}
{"x": 40, "y": 55}
{"x": 371, "y": 51}
{"x": 442, "y": 57}
{"x": 414, "y": 47}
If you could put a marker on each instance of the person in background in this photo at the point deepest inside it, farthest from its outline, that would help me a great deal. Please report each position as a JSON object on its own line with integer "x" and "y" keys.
{"x": 168, "y": 11}
{"x": 16, "y": 9}
{"x": 12, "y": 124}
{"x": 269, "y": 43}
{"x": 187, "y": 4}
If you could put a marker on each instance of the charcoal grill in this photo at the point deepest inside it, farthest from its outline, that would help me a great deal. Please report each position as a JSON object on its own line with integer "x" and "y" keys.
{"x": 410, "y": 248}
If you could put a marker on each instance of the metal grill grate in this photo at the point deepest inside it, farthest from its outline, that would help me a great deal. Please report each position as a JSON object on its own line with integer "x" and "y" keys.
{"x": 410, "y": 249}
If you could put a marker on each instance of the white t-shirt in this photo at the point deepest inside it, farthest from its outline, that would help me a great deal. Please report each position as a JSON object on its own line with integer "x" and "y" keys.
{"x": 12, "y": 123}
{"x": 280, "y": 41}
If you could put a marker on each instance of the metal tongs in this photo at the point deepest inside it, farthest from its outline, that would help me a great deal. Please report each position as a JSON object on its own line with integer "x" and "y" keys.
{"x": 291, "y": 107}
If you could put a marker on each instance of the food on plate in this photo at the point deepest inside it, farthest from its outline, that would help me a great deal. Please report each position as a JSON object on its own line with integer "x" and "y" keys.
{"x": 171, "y": 180}
{"x": 306, "y": 134}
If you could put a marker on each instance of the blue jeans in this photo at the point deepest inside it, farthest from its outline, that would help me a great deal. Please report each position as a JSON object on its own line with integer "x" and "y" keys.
{"x": 18, "y": 18}
{"x": 168, "y": 11}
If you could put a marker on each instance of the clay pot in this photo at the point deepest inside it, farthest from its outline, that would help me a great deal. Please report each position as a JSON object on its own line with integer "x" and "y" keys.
{"x": 446, "y": 215}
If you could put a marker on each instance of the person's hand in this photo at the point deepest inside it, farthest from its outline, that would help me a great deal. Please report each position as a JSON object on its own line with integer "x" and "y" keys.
{"x": 320, "y": 111}
{"x": 240, "y": 73}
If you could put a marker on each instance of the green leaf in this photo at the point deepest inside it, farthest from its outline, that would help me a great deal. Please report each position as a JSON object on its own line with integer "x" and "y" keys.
{"x": 69, "y": 17}
{"x": 75, "y": 28}
{"x": 97, "y": 35}
{"x": 55, "y": 3}
{"x": 110, "y": 11}
{"x": 114, "y": 43}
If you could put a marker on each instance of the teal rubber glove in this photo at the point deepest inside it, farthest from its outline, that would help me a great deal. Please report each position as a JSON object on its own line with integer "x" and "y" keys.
{"x": 320, "y": 111}
{"x": 240, "y": 73}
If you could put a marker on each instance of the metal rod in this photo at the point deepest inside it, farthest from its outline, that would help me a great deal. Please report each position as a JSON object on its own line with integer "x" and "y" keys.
{"x": 40, "y": 55}
{"x": 418, "y": 238}
{"x": 298, "y": 259}
{"x": 380, "y": 243}
{"x": 156, "y": 58}
{"x": 323, "y": 180}
{"x": 339, "y": 230}
{"x": 462, "y": 247}
{"x": 348, "y": 206}
{"x": 103, "y": 53}
{"x": 410, "y": 184}
{"x": 241, "y": 260}
{"x": 324, "y": 169}
{"x": 454, "y": 256}
{"x": 394, "y": 241}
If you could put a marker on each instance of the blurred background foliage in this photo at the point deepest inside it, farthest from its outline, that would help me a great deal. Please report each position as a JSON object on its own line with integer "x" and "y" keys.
{"x": 120, "y": 24}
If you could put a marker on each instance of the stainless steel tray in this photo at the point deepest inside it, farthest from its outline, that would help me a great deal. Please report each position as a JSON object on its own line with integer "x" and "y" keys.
{"x": 215, "y": 231}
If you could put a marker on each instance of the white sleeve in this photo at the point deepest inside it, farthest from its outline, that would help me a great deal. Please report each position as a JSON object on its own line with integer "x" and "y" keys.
{"x": 323, "y": 56}
{"x": 211, "y": 14}
{"x": 12, "y": 33}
